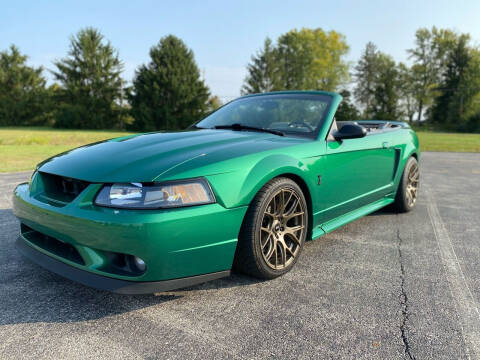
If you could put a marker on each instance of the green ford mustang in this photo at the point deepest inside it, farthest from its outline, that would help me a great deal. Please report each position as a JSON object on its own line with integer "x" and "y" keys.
{"x": 244, "y": 188}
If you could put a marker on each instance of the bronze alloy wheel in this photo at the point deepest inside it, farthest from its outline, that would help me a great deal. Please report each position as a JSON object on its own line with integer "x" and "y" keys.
{"x": 282, "y": 229}
{"x": 412, "y": 184}
{"x": 407, "y": 191}
{"x": 274, "y": 230}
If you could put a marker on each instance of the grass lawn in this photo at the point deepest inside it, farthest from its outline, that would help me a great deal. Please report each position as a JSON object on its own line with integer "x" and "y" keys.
{"x": 22, "y": 148}
{"x": 436, "y": 141}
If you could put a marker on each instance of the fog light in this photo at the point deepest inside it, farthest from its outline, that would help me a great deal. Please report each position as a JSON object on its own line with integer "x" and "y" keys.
{"x": 139, "y": 264}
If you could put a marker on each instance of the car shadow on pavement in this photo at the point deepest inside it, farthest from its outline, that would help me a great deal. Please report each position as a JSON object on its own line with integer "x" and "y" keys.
{"x": 29, "y": 293}
{"x": 384, "y": 211}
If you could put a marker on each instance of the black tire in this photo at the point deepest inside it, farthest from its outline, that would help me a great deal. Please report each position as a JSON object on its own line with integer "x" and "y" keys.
{"x": 251, "y": 257}
{"x": 403, "y": 199}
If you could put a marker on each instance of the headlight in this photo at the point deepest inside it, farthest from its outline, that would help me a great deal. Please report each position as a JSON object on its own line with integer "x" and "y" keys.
{"x": 156, "y": 195}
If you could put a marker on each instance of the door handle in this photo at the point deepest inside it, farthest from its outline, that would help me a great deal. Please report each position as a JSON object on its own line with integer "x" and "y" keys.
{"x": 385, "y": 145}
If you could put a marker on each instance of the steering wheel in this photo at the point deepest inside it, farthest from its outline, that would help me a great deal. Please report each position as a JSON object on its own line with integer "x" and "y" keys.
{"x": 302, "y": 123}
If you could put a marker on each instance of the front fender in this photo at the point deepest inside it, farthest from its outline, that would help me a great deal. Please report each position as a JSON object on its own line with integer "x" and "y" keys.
{"x": 240, "y": 187}
{"x": 410, "y": 147}
{"x": 414, "y": 148}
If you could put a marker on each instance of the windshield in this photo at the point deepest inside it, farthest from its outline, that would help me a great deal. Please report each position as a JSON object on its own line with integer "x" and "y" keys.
{"x": 294, "y": 114}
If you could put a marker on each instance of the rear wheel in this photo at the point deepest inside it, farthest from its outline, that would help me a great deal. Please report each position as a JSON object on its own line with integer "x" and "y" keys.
{"x": 408, "y": 188}
{"x": 274, "y": 230}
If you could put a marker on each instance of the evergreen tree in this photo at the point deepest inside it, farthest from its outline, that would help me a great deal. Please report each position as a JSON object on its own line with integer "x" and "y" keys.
{"x": 366, "y": 79}
{"x": 408, "y": 101}
{"x": 387, "y": 85}
{"x": 347, "y": 111}
{"x": 90, "y": 82}
{"x": 378, "y": 85}
{"x": 262, "y": 71}
{"x": 23, "y": 97}
{"x": 168, "y": 92}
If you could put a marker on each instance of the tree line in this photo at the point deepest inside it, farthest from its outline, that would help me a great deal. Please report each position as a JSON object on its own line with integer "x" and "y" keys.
{"x": 440, "y": 87}
{"x": 89, "y": 93}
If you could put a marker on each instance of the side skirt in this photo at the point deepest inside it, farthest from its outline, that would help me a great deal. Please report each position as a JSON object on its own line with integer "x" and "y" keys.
{"x": 344, "y": 219}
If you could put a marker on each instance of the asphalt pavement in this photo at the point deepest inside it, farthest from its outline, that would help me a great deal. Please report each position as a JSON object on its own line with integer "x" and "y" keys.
{"x": 387, "y": 286}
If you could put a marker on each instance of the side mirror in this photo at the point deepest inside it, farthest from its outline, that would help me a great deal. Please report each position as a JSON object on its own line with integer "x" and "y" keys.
{"x": 350, "y": 131}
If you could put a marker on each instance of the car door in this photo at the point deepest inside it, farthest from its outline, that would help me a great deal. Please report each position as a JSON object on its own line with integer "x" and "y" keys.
{"x": 356, "y": 172}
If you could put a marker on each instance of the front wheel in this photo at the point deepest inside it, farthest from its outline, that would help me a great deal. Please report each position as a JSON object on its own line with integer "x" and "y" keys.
{"x": 274, "y": 230}
{"x": 408, "y": 188}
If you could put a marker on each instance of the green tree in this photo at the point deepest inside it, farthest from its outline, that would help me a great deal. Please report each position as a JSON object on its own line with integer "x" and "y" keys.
{"x": 377, "y": 85}
{"x": 214, "y": 103}
{"x": 90, "y": 82}
{"x": 311, "y": 59}
{"x": 471, "y": 88}
{"x": 408, "y": 101}
{"x": 346, "y": 110}
{"x": 386, "y": 95}
{"x": 168, "y": 92}
{"x": 429, "y": 61}
{"x": 262, "y": 71}
{"x": 459, "y": 89}
{"x": 366, "y": 78}
{"x": 306, "y": 59}
{"x": 23, "y": 97}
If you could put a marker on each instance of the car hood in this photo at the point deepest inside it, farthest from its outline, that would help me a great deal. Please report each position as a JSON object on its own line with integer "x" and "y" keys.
{"x": 146, "y": 157}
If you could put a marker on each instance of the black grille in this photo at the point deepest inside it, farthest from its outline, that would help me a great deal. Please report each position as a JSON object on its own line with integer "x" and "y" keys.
{"x": 51, "y": 244}
{"x": 59, "y": 189}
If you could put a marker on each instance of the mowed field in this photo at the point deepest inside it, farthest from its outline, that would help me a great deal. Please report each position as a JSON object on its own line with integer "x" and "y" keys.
{"x": 22, "y": 148}
{"x": 451, "y": 142}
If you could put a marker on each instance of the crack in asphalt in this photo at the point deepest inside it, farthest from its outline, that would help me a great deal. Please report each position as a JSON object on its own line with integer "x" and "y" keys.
{"x": 403, "y": 300}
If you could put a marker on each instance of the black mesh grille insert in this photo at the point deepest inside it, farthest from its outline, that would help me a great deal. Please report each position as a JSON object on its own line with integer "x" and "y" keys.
{"x": 51, "y": 244}
{"x": 59, "y": 189}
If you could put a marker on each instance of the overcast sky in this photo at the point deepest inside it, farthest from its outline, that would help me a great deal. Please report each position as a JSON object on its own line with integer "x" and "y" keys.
{"x": 224, "y": 34}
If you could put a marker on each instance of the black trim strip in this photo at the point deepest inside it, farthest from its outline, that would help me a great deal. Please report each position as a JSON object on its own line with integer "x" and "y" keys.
{"x": 110, "y": 284}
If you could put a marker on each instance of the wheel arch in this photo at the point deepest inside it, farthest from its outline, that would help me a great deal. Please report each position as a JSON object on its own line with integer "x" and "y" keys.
{"x": 287, "y": 167}
{"x": 272, "y": 167}
{"x": 240, "y": 259}
{"x": 308, "y": 198}
{"x": 401, "y": 167}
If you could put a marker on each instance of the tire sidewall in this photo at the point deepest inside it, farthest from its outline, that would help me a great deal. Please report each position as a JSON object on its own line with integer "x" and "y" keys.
{"x": 279, "y": 183}
{"x": 411, "y": 161}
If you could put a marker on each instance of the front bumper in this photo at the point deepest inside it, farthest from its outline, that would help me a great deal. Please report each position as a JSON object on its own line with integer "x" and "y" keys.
{"x": 180, "y": 247}
{"x": 110, "y": 284}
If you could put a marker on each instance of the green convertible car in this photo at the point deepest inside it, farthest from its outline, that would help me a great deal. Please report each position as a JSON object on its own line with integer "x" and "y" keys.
{"x": 243, "y": 188}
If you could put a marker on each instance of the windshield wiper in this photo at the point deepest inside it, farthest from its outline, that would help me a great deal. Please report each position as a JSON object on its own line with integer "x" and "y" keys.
{"x": 239, "y": 127}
